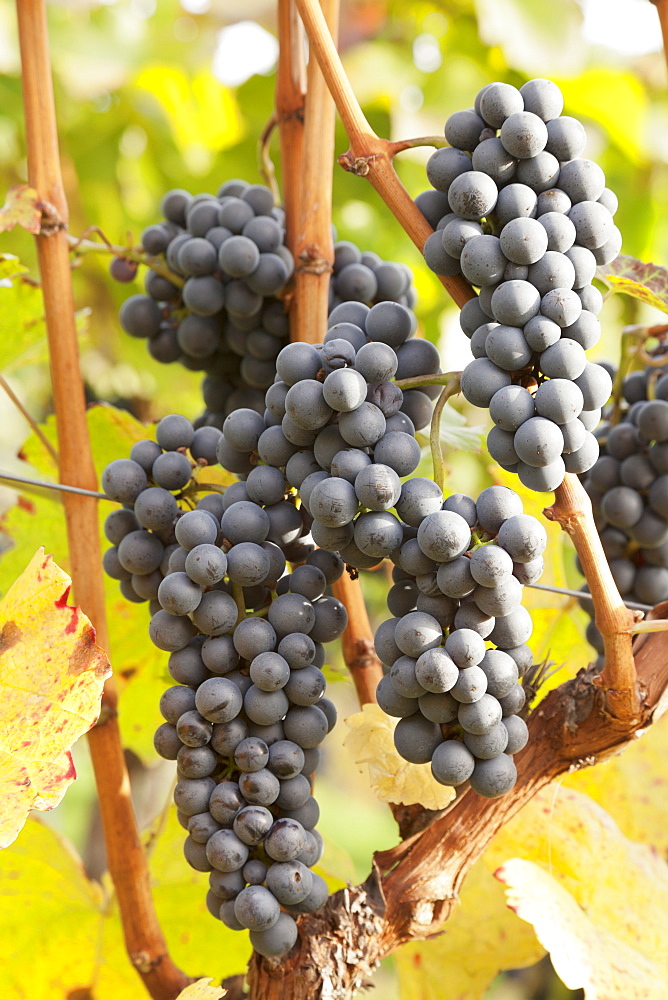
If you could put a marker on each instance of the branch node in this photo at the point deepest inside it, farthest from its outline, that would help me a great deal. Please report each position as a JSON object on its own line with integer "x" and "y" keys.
{"x": 52, "y": 221}
{"x": 311, "y": 261}
{"x": 358, "y": 165}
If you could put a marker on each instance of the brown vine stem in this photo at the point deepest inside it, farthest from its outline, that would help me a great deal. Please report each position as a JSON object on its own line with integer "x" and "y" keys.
{"x": 369, "y": 156}
{"x": 315, "y": 255}
{"x": 290, "y": 91}
{"x": 314, "y": 249}
{"x": 572, "y": 509}
{"x": 662, "y": 8}
{"x": 145, "y": 943}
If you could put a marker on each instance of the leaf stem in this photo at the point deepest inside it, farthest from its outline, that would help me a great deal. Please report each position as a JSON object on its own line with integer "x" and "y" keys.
{"x": 450, "y": 388}
{"x": 399, "y": 145}
{"x": 37, "y": 430}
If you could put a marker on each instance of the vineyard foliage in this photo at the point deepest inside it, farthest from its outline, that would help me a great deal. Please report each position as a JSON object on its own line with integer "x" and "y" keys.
{"x": 582, "y": 866}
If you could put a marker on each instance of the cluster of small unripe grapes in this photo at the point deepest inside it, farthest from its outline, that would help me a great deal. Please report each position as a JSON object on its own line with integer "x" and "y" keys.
{"x": 628, "y": 487}
{"x": 342, "y": 432}
{"x": 459, "y": 583}
{"x": 227, "y": 318}
{"x": 526, "y": 220}
{"x": 247, "y": 712}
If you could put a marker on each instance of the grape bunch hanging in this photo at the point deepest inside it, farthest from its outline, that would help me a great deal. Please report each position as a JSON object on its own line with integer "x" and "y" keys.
{"x": 223, "y": 313}
{"x": 527, "y": 220}
{"x": 628, "y": 487}
{"x": 247, "y": 713}
{"x": 460, "y": 583}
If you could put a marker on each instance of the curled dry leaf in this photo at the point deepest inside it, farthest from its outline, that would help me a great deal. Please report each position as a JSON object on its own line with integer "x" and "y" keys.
{"x": 201, "y": 990}
{"x": 21, "y": 208}
{"x": 51, "y": 679}
{"x": 371, "y": 742}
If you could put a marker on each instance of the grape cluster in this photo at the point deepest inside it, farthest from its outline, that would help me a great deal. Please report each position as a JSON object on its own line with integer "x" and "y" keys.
{"x": 247, "y": 713}
{"x": 526, "y": 220}
{"x": 343, "y": 431}
{"x": 628, "y": 487}
{"x": 228, "y": 319}
{"x": 459, "y": 578}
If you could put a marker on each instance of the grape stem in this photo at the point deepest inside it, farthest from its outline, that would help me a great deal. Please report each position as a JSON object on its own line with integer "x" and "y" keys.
{"x": 144, "y": 940}
{"x": 447, "y": 379}
{"x": 370, "y": 156}
{"x": 450, "y": 388}
{"x": 80, "y": 245}
{"x": 267, "y": 171}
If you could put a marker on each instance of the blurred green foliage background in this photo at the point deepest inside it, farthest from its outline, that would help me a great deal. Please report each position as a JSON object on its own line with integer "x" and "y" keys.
{"x": 154, "y": 94}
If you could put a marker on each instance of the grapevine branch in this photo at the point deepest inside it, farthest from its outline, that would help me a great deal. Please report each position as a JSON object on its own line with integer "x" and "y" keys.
{"x": 144, "y": 940}
{"x": 369, "y": 155}
{"x": 290, "y": 91}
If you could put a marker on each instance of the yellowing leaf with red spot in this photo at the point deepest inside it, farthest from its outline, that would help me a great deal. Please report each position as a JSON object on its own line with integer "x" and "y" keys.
{"x": 51, "y": 678}
{"x": 371, "y": 742}
{"x": 22, "y": 208}
{"x": 482, "y": 938}
{"x": 633, "y": 786}
{"x": 645, "y": 281}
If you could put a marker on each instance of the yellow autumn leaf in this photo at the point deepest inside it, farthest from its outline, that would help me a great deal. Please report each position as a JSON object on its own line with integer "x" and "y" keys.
{"x": 62, "y": 934}
{"x": 633, "y": 786}
{"x": 201, "y": 990}
{"x": 482, "y": 938}
{"x": 619, "y": 888}
{"x": 51, "y": 679}
{"x": 587, "y": 954}
{"x": 371, "y": 743}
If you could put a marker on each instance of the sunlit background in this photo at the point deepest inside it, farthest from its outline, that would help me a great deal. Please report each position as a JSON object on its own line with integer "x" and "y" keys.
{"x": 154, "y": 94}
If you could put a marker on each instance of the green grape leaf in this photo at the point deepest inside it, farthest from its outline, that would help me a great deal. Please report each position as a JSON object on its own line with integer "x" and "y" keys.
{"x": 538, "y": 38}
{"x": 10, "y": 266}
{"x": 645, "y": 281}
{"x": 22, "y": 328}
{"x": 22, "y": 208}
